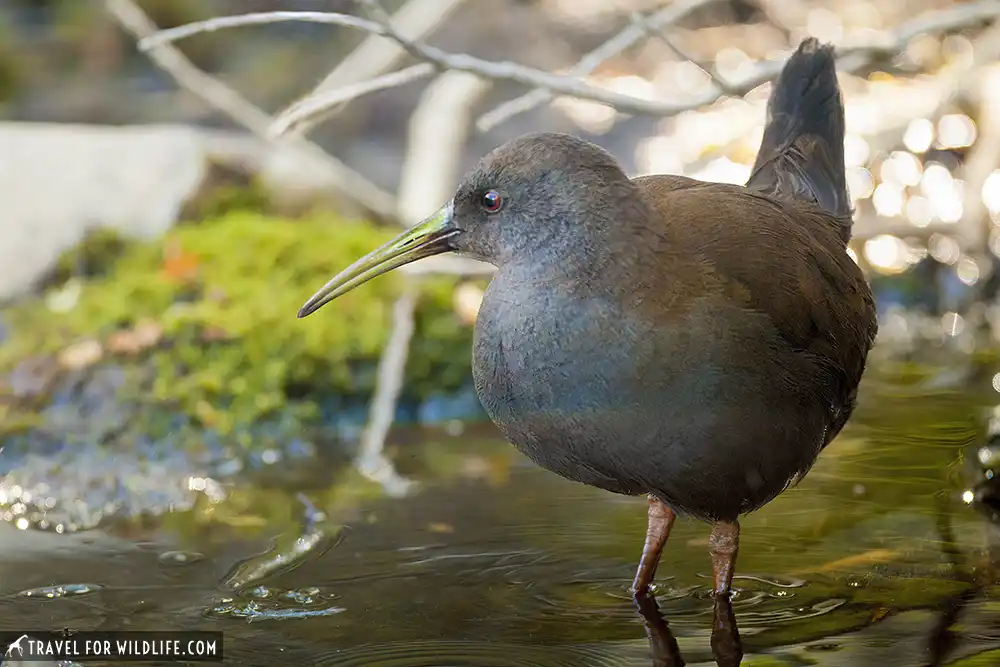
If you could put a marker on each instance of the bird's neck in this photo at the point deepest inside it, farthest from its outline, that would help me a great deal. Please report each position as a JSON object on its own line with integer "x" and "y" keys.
{"x": 606, "y": 256}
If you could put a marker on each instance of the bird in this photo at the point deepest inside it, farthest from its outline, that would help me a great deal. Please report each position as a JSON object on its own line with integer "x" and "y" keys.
{"x": 697, "y": 343}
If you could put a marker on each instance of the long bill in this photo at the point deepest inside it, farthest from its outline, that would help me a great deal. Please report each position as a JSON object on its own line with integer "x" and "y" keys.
{"x": 426, "y": 238}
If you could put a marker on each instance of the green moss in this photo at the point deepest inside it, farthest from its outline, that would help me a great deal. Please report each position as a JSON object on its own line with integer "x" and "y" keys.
{"x": 231, "y": 197}
{"x": 225, "y": 294}
{"x": 95, "y": 255}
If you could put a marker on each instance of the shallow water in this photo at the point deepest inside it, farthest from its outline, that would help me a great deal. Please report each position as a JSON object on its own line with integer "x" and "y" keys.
{"x": 492, "y": 562}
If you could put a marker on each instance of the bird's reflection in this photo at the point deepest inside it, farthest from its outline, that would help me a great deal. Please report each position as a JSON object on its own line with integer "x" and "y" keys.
{"x": 727, "y": 649}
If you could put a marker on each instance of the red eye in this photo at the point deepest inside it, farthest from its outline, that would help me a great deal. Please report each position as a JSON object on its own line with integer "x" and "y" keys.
{"x": 491, "y": 201}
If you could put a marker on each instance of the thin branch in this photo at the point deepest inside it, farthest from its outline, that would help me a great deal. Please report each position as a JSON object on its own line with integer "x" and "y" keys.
{"x": 682, "y": 53}
{"x": 451, "y": 61}
{"x": 223, "y": 98}
{"x": 371, "y": 461}
{"x": 376, "y": 55}
{"x": 628, "y": 37}
{"x": 850, "y": 59}
{"x": 217, "y": 23}
{"x": 309, "y": 111}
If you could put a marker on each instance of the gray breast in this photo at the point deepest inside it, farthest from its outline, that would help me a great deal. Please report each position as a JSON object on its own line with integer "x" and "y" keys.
{"x": 591, "y": 394}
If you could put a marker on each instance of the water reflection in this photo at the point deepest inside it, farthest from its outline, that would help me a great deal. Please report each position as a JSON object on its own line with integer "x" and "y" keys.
{"x": 875, "y": 560}
{"x": 727, "y": 648}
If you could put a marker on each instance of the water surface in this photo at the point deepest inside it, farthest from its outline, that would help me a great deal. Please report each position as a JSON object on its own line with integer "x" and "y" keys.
{"x": 877, "y": 558}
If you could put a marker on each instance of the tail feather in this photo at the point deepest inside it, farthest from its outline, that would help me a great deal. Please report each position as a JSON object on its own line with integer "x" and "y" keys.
{"x": 802, "y": 154}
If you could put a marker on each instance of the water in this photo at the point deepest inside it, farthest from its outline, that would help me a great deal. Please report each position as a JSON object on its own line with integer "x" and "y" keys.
{"x": 875, "y": 559}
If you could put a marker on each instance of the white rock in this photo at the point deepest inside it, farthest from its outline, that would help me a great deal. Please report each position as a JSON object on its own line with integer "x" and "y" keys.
{"x": 57, "y": 181}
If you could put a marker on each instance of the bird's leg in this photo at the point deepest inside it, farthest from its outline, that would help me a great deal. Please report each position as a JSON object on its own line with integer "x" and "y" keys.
{"x": 660, "y": 520}
{"x": 723, "y": 545}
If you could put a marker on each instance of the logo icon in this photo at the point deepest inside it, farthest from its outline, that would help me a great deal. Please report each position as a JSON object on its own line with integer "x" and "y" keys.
{"x": 16, "y": 645}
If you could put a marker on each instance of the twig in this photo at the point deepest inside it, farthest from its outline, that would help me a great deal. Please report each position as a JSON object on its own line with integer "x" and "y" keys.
{"x": 450, "y": 61}
{"x": 371, "y": 462}
{"x": 628, "y": 37}
{"x": 940, "y": 21}
{"x": 682, "y": 53}
{"x": 851, "y": 59}
{"x": 309, "y": 111}
{"x": 375, "y": 56}
{"x": 223, "y": 98}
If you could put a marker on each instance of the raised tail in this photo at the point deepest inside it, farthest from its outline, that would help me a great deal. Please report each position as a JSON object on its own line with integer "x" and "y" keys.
{"x": 802, "y": 154}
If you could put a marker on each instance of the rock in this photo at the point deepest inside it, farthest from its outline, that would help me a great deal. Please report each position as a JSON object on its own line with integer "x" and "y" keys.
{"x": 59, "y": 181}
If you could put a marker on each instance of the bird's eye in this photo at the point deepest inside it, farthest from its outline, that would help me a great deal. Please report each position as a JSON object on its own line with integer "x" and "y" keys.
{"x": 491, "y": 201}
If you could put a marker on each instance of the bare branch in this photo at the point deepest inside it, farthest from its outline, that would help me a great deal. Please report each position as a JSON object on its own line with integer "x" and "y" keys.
{"x": 628, "y": 37}
{"x": 851, "y": 59}
{"x": 217, "y": 23}
{"x": 371, "y": 461}
{"x": 377, "y": 55}
{"x": 223, "y": 98}
{"x": 682, "y": 53}
{"x": 311, "y": 110}
{"x": 855, "y": 58}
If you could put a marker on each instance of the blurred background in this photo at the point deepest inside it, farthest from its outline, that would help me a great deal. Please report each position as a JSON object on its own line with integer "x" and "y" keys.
{"x": 165, "y": 210}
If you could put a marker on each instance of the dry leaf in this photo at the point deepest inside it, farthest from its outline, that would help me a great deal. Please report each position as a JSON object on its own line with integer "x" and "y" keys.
{"x": 178, "y": 264}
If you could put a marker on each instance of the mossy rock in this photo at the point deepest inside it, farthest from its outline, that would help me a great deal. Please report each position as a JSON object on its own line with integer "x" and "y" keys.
{"x": 203, "y": 323}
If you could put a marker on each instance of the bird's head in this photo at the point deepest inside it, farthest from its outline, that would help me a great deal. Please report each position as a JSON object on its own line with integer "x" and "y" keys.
{"x": 527, "y": 201}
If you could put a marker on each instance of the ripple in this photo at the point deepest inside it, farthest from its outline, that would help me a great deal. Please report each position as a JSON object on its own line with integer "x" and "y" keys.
{"x": 551, "y": 591}
{"x": 62, "y": 591}
{"x": 776, "y": 582}
{"x": 786, "y": 614}
{"x": 466, "y": 654}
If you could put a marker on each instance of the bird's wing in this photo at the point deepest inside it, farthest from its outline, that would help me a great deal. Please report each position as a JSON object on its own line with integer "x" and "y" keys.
{"x": 784, "y": 260}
